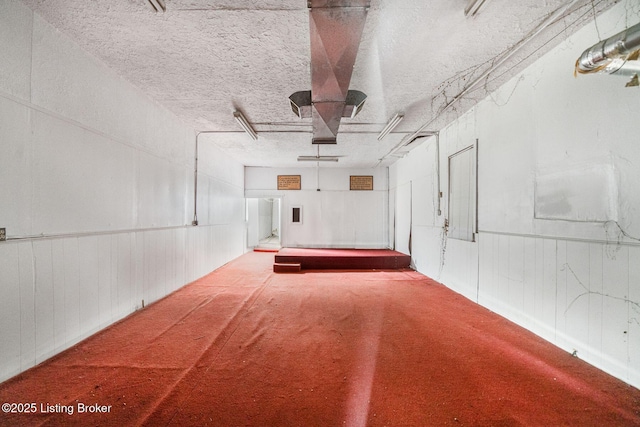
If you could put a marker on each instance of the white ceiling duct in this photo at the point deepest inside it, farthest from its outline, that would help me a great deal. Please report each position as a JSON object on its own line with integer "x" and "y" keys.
{"x": 616, "y": 55}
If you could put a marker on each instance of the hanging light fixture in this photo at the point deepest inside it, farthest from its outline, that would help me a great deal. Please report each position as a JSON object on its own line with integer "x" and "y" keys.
{"x": 473, "y": 6}
{"x": 318, "y": 158}
{"x": 245, "y": 125}
{"x": 158, "y": 5}
{"x": 395, "y": 120}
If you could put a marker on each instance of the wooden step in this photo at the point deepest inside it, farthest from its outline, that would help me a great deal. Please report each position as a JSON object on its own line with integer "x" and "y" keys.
{"x": 288, "y": 267}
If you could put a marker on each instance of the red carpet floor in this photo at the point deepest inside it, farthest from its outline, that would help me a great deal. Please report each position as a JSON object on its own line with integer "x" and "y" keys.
{"x": 247, "y": 347}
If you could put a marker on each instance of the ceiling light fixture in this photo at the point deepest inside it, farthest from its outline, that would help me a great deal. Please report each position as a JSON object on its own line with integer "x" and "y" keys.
{"x": 245, "y": 125}
{"x": 158, "y": 5}
{"x": 317, "y": 158}
{"x": 473, "y": 6}
{"x": 390, "y": 126}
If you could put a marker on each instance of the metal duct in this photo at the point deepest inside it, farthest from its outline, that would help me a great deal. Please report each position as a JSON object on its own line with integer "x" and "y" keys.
{"x": 335, "y": 29}
{"x": 301, "y": 103}
{"x": 615, "y": 55}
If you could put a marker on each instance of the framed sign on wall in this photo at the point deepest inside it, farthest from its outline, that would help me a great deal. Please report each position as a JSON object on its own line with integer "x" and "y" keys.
{"x": 289, "y": 182}
{"x": 361, "y": 182}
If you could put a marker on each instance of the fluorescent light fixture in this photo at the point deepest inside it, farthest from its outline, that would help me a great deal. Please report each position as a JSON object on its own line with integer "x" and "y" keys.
{"x": 473, "y": 6}
{"x": 390, "y": 126}
{"x": 245, "y": 125}
{"x": 158, "y": 5}
{"x": 317, "y": 158}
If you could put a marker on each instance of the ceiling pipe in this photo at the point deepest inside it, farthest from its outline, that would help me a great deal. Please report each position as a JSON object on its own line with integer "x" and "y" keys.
{"x": 616, "y": 55}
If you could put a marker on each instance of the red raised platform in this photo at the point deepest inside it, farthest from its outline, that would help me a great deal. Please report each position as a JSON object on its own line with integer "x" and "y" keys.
{"x": 343, "y": 259}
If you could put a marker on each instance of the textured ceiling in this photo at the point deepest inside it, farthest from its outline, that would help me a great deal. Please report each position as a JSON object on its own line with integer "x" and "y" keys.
{"x": 202, "y": 59}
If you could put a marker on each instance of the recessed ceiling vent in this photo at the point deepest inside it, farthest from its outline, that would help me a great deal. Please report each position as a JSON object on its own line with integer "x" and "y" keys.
{"x": 335, "y": 28}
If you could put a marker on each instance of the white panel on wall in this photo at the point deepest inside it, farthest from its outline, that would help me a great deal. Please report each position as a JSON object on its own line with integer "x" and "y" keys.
{"x": 561, "y": 290}
{"x": 88, "y": 291}
{"x": 265, "y": 211}
{"x": 15, "y": 39}
{"x": 615, "y": 307}
{"x": 575, "y": 311}
{"x": 391, "y": 221}
{"x": 424, "y": 207}
{"x": 15, "y": 167}
{"x": 71, "y": 284}
{"x": 595, "y": 298}
{"x": 586, "y": 192}
{"x": 125, "y": 273}
{"x": 529, "y": 279}
{"x": 506, "y": 132}
{"x": 253, "y": 226}
{"x": 369, "y": 211}
{"x": 59, "y": 294}
{"x": 104, "y": 279}
{"x": 10, "y": 309}
{"x": 403, "y": 218}
{"x": 75, "y": 167}
{"x": 338, "y": 220}
{"x": 515, "y": 278}
{"x": 27, "y": 308}
{"x": 160, "y": 192}
{"x": 549, "y": 285}
{"x": 502, "y": 266}
{"x": 634, "y": 316}
{"x": 217, "y": 165}
{"x": 457, "y": 272}
{"x": 44, "y": 300}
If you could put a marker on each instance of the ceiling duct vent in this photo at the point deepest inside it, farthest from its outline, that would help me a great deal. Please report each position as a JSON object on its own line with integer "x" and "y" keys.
{"x": 301, "y": 103}
{"x": 335, "y": 28}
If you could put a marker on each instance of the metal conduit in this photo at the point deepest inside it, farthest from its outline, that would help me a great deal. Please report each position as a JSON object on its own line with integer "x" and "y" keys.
{"x": 616, "y": 55}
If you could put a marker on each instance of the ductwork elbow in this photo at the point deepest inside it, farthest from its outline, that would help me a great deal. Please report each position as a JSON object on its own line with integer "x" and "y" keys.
{"x": 617, "y": 54}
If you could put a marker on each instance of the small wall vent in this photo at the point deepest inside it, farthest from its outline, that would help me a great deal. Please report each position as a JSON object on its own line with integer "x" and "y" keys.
{"x": 296, "y": 215}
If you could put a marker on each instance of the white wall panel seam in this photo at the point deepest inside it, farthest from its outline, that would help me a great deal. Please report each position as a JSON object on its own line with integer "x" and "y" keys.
{"x": 97, "y": 132}
{"x": 223, "y": 181}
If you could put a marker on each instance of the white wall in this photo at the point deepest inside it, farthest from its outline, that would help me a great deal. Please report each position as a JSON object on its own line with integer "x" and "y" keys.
{"x": 265, "y": 212}
{"x": 333, "y": 217}
{"x": 558, "y": 243}
{"x": 96, "y": 196}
